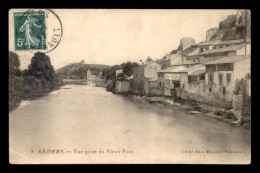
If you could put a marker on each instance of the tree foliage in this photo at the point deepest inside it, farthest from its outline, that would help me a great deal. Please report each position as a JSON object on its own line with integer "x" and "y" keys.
{"x": 14, "y": 64}
{"x": 41, "y": 68}
{"x": 148, "y": 59}
{"x": 126, "y": 67}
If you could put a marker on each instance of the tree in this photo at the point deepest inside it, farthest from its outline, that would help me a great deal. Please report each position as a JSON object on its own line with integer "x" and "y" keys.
{"x": 128, "y": 68}
{"x": 41, "y": 68}
{"x": 14, "y": 64}
{"x": 82, "y": 73}
{"x": 148, "y": 59}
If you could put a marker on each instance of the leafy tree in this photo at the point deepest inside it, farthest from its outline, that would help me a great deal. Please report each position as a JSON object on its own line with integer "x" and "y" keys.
{"x": 148, "y": 59}
{"x": 14, "y": 64}
{"x": 41, "y": 68}
{"x": 128, "y": 68}
{"x": 82, "y": 73}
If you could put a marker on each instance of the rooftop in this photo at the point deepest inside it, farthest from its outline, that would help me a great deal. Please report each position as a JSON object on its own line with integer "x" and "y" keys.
{"x": 197, "y": 66}
{"x": 229, "y": 59}
{"x": 153, "y": 79}
{"x": 225, "y": 42}
{"x": 173, "y": 69}
{"x": 131, "y": 77}
{"x": 225, "y": 49}
{"x": 197, "y": 72}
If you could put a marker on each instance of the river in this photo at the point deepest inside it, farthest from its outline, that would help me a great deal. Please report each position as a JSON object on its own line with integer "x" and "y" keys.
{"x": 87, "y": 124}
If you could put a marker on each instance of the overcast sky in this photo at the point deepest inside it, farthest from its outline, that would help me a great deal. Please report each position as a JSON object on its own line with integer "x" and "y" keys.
{"x": 115, "y": 36}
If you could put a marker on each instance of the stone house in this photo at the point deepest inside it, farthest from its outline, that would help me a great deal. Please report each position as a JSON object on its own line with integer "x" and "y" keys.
{"x": 217, "y": 53}
{"x": 142, "y": 74}
{"x": 214, "y": 85}
{"x": 122, "y": 86}
{"x": 222, "y": 74}
{"x": 169, "y": 79}
{"x": 181, "y": 57}
{"x": 221, "y": 44}
{"x": 153, "y": 87}
{"x": 191, "y": 77}
{"x": 177, "y": 59}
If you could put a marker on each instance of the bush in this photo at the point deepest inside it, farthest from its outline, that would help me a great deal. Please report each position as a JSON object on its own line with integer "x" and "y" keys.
{"x": 230, "y": 115}
{"x": 219, "y": 113}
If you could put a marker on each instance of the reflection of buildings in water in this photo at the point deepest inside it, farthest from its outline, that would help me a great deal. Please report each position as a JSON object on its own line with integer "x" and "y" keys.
{"x": 91, "y": 83}
{"x": 91, "y": 77}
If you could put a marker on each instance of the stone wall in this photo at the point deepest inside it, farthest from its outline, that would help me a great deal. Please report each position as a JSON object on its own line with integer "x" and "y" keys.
{"x": 122, "y": 86}
{"x": 207, "y": 92}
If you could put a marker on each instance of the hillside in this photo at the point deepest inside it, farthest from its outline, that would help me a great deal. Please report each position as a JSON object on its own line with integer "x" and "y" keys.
{"x": 229, "y": 34}
{"x": 76, "y": 70}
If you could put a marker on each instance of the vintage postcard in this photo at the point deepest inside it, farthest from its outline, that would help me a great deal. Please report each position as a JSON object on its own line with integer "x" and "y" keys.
{"x": 129, "y": 86}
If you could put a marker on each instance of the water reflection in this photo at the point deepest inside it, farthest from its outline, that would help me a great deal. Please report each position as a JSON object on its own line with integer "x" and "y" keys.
{"x": 89, "y": 118}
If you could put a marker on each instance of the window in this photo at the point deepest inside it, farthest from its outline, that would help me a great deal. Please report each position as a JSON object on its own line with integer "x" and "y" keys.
{"x": 220, "y": 78}
{"x": 210, "y": 78}
{"x": 210, "y": 68}
{"x": 202, "y": 76}
{"x": 210, "y": 90}
{"x": 177, "y": 84}
{"x": 192, "y": 79}
{"x": 183, "y": 86}
{"x": 160, "y": 83}
{"x": 228, "y": 76}
{"x": 224, "y": 90}
{"x": 225, "y": 67}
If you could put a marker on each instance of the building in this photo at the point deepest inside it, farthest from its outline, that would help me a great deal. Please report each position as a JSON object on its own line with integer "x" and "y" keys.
{"x": 122, "y": 86}
{"x": 192, "y": 76}
{"x": 210, "y": 52}
{"x": 130, "y": 78}
{"x": 153, "y": 87}
{"x": 88, "y": 73}
{"x": 222, "y": 74}
{"x": 214, "y": 82}
{"x": 180, "y": 58}
{"x": 169, "y": 79}
{"x": 142, "y": 74}
{"x": 186, "y": 42}
{"x": 118, "y": 72}
{"x": 210, "y": 32}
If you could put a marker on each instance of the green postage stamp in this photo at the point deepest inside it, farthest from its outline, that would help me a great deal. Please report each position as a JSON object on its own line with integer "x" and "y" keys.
{"x": 30, "y": 30}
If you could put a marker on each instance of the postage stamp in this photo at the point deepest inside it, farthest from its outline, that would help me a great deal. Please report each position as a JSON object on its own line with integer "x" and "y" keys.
{"x": 36, "y": 30}
{"x": 30, "y": 30}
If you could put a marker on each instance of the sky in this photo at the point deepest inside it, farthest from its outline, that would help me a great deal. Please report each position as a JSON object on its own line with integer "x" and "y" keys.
{"x": 105, "y": 36}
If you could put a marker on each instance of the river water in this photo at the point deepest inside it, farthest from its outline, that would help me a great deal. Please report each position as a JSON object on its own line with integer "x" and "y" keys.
{"x": 87, "y": 124}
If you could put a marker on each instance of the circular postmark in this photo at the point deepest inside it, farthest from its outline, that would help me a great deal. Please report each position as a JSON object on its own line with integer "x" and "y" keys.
{"x": 37, "y": 30}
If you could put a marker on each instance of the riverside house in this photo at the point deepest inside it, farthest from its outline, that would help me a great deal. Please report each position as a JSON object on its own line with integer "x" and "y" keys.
{"x": 169, "y": 79}
{"x": 192, "y": 77}
{"x": 222, "y": 74}
{"x": 122, "y": 86}
{"x": 212, "y": 51}
{"x": 217, "y": 87}
{"x": 141, "y": 76}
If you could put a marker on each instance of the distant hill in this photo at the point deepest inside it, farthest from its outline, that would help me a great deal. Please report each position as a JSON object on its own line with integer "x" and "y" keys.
{"x": 75, "y": 70}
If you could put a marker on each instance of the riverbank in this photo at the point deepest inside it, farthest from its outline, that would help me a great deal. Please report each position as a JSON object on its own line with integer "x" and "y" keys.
{"x": 194, "y": 108}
